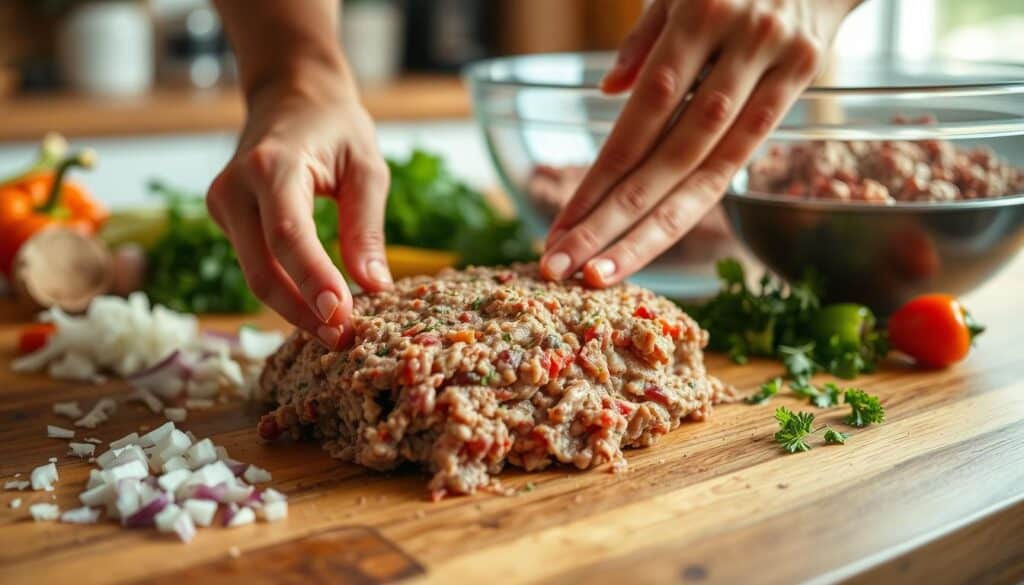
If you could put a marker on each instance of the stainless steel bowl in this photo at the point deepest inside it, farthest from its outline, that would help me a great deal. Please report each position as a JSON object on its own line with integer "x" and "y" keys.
{"x": 882, "y": 255}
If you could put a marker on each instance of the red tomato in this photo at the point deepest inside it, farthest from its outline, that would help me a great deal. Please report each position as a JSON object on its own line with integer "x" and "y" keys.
{"x": 34, "y": 337}
{"x": 933, "y": 329}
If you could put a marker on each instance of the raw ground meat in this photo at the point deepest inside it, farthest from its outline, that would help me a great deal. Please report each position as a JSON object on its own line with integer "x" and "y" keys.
{"x": 471, "y": 369}
{"x": 884, "y": 172}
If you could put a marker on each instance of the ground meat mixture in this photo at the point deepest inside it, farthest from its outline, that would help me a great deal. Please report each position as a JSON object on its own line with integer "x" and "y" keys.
{"x": 471, "y": 369}
{"x": 884, "y": 172}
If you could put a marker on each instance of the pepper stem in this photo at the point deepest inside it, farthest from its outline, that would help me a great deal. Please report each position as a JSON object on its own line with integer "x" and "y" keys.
{"x": 85, "y": 159}
{"x": 51, "y": 150}
{"x": 973, "y": 327}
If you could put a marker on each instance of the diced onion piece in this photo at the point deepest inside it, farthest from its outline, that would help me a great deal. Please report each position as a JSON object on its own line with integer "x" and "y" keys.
{"x": 131, "y": 470}
{"x": 257, "y": 345}
{"x": 95, "y": 479}
{"x": 128, "y": 500}
{"x": 255, "y": 474}
{"x": 129, "y": 439}
{"x": 200, "y": 454}
{"x": 100, "y": 495}
{"x": 146, "y": 397}
{"x": 166, "y": 378}
{"x": 239, "y": 492}
{"x": 201, "y": 511}
{"x": 149, "y": 510}
{"x": 43, "y": 512}
{"x": 98, "y": 415}
{"x": 74, "y": 366}
{"x": 55, "y": 432}
{"x": 15, "y": 503}
{"x": 170, "y": 481}
{"x": 16, "y": 484}
{"x": 81, "y": 450}
{"x": 175, "y": 463}
{"x": 270, "y": 495}
{"x": 93, "y": 440}
{"x": 115, "y": 457}
{"x": 83, "y": 515}
{"x": 68, "y": 409}
{"x": 273, "y": 511}
{"x": 212, "y": 474}
{"x": 176, "y": 414}
{"x": 44, "y": 476}
{"x": 164, "y": 519}
{"x": 156, "y": 435}
{"x": 214, "y": 493}
{"x": 241, "y": 517}
{"x": 184, "y": 527}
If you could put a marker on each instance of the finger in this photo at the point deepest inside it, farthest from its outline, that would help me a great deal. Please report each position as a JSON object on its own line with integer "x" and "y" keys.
{"x": 268, "y": 280}
{"x": 362, "y": 200}
{"x": 701, "y": 124}
{"x": 675, "y": 62}
{"x": 284, "y": 191}
{"x": 695, "y": 196}
{"x": 635, "y": 49}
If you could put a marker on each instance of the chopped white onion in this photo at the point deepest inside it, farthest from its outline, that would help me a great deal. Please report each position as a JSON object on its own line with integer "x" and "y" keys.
{"x": 74, "y": 366}
{"x": 81, "y": 450}
{"x": 55, "y": 432}
{"x": 94, "y": 440}
{"x": 44, "y": 476}
{"x": 43, "y": 512}
{"x": 273, "y": 511}
{"x": 256, "y": 345}
{"x": 129, "y": 439}
{"x": 175, "y": 463}
{"x": 68, "y": 409}
{"x": 177, "y": 415}
{"x": 83, "y": 515}
{"x": 164, "y": 520}
{"x": 98, "y": 415}
{"x": 241, "y": 517}
{"x": 201, "y": 511}
{"x": 115, "y": 457}
{"x": 271, "y": 495}
{"x": 255, "y": 474}
{"x": 131, "y": 470}
{"x": 15, "y": 503}
{"x": 98, "y": 496}
{"x": 167, "y": 378}
{"x": 170, "y": 481}
{"x": 200, "y": 454}
{"x": 95, "y": 478}
{"x": 156, "y": 435}
{"x": 15, "y": 484}
{"x": 146, "y": 397}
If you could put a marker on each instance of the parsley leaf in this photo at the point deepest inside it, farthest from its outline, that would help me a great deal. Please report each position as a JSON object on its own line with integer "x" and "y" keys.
{"x": 866, "y": 409}
{"x": 768, "y": 389}
{"x": 794, "y": 428}
{"x": 798, "y": 360}
{"x": 828, "y": 397}
{"x": 834, "y": 437}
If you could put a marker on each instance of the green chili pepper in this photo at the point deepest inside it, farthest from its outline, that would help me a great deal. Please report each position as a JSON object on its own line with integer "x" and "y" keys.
{"x": 845, "y": 324}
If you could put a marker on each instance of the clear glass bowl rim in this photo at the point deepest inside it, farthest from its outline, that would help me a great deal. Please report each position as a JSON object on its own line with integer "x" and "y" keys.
{"x": 482, "y": 73}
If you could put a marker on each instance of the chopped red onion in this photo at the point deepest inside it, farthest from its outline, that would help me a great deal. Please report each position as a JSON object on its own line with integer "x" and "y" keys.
{"x": 147, "y": 513}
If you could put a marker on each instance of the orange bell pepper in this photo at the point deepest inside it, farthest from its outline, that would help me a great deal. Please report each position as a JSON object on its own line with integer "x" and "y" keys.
{"x": 42, "y": 200}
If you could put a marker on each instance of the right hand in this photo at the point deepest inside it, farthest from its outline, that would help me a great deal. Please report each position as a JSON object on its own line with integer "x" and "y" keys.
{"x": 300, "y": 140}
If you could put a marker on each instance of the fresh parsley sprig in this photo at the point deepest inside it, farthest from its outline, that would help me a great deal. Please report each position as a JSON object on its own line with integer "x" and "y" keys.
{"x": 866, "y": 409}
{"x": 794, "y": 429}
{"x": 767, "y": 390}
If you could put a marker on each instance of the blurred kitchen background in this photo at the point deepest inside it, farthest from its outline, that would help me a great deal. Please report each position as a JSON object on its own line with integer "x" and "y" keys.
{"x": 151, "y": 84}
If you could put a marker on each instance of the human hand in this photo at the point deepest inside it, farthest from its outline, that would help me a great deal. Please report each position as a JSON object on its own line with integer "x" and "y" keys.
{"x": 668, "y": 160}
{"x": 300, "y": 140}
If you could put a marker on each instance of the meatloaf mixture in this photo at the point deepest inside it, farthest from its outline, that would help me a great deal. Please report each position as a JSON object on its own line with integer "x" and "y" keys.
{"x": 884, "y": 172}
{"x": 463, "y": 372}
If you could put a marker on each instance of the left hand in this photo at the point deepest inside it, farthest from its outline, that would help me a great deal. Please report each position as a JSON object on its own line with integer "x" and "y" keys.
{"x": 659, "y": 172}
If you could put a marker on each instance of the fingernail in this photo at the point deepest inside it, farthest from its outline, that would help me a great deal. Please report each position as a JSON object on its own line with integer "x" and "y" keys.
{"x": 557, "y": 264}
{"x": 326, "y": 304}
{"x": 378, "y": 271}
{"x": 603, "y": 267}
{"x": 329, "y": 335}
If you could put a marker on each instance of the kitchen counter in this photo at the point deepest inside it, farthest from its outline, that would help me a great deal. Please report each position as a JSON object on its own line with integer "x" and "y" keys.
{"x": 933, "y": 495}
{"x": 187, "y": 110}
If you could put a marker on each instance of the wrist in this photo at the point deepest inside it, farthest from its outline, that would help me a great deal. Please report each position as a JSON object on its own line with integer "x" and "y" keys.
{"x": 319, "y": 78}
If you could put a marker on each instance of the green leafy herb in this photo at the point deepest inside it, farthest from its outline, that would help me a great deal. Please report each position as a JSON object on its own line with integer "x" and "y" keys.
{"x": 192, "y": 267}
{"x": 794, "y": 429}
{"x": 865, "y": 408}
{"x": 506, "y": 337}
{"x": 834, "y": 437}
{"x": 383, "y": 351}
{"x": 768, "y": 389}
{"x": 825, "y": 397}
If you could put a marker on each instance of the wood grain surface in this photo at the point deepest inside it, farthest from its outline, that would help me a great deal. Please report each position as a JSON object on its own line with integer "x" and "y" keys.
{"x": 168, "y": 110}
{"x": 934, "y": 495}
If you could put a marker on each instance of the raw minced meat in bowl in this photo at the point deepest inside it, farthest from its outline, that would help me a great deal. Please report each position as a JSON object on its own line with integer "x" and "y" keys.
{"x": 891, "y": 180}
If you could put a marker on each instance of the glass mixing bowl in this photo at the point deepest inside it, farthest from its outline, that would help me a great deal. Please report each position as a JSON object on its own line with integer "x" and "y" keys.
{"x": 544, "y": 120}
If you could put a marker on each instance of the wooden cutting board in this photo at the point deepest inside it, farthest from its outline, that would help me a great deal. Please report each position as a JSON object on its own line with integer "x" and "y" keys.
{"x": 936, "y": 494}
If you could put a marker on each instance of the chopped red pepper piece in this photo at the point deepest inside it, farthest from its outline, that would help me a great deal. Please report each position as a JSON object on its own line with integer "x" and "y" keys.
{"x": 35, "y": 337}
{"x": 656, "y": 394}
{"x": 643, "y": 312}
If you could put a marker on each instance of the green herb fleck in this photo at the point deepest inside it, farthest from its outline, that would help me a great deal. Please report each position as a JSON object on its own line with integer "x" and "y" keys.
{"x": 383, "y": 351}
{"x": 794, "y": 428}
{"x": 767, "y": 390}
{"x": 506, "y": 336}
{"x": 834, "y": 437}
{"x": 865, "y": 408}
